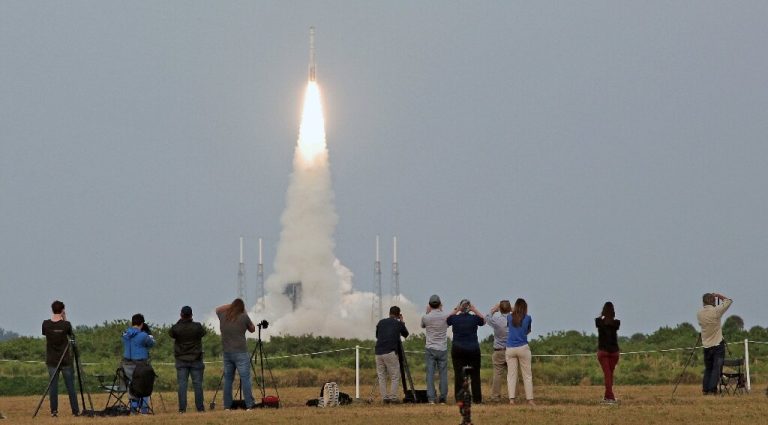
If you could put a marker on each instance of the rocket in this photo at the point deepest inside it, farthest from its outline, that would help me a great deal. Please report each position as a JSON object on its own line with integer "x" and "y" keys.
{"x": 312, "y": 65}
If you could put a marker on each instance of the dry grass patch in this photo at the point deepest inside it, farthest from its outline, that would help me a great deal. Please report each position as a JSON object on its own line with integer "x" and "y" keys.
{"x": 556, "y": 405}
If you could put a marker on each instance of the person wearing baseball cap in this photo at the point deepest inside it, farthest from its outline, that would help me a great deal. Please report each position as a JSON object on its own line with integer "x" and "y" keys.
{"x": 188, "y": 351}
{"x": 435, "y": 326}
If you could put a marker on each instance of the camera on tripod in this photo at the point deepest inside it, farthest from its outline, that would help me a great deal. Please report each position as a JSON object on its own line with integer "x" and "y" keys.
{"x": 263, "y": 324}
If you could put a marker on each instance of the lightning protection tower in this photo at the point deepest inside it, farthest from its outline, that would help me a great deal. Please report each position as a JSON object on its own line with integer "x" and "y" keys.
{"x": 395, "y": 273}
{"x": 260, "y": 280}
{"x": 241, "y": 293}
{"x": 376, "y": 309}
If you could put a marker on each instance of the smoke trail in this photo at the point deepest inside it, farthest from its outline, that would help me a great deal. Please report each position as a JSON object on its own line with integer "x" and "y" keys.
{"x": 305, "y": 253}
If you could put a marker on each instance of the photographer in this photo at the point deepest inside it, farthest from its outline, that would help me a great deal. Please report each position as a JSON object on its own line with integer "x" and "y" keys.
{"x": 499, "y": 324}
{"x": 712, "y": 339}
{"x": 58, "y": 331}
{"x": 518, "y": 352}
{"x": 137, "y": 340}
{"x": 188, "y": 351}
{"x": 233, "y": 322}
{"x": 465, "y": 351}
{"x": 388, "y": 332}
{"x": 436, "y": 350}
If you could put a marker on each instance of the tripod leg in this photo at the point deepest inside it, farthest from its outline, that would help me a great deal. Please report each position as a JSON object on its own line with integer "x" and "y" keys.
{"x": 679, "y": 378}
{"x": 79, "y": 371}
{"x": 218, "y": 387}
{"x": 50, "y": 382}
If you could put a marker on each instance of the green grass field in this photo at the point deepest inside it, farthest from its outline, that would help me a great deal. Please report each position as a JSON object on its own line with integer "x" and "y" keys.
{"x": 556, "y": 405}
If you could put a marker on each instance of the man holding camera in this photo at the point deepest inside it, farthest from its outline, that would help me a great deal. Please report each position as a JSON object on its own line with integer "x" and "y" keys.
{"x": 58, "y": 357}
{"x": 388, "y": 333}
{"x": 712, "y": 338}
{"x": 188, "y": 351}
{"x": 436, "y": 350}
{"x": 137, "y": 340}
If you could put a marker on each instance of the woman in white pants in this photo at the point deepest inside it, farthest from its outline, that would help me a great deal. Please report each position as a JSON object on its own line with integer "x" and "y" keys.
{"x": 518, "y": 352}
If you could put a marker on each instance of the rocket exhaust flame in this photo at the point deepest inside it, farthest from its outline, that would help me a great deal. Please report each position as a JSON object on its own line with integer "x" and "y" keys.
{"x": 312, "y": 130}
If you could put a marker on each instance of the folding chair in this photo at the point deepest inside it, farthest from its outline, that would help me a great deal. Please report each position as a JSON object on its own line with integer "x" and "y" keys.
{"x": 732, "y": 378}
{"x": 138, "y": 387}
{"x": 116, "y": 389}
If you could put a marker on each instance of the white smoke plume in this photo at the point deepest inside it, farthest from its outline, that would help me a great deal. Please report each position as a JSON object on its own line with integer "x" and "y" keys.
{"x": 329, "y": 305}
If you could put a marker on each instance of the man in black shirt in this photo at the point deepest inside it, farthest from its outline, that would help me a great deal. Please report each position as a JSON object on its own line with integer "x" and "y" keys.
{"x": 388, "y": 332}
{"x": 188, "y": 351}
{"x": 58, "y": 354}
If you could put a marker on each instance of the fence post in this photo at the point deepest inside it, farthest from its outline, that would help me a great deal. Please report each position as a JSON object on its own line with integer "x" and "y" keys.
{"x": 357, "y": 371}
{"x": 746, "y": 364}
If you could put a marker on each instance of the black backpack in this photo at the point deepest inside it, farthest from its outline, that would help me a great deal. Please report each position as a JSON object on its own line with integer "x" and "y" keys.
{"x": 143, "y": 381}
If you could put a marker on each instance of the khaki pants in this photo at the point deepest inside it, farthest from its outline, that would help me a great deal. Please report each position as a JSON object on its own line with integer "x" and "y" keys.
{"x": 499, "y": 359}
{"x": 521, "y": 355}
{"x": 388, "y": 364}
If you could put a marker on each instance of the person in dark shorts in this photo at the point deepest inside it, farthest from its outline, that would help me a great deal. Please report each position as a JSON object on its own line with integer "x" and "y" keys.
{"x": 58, "y": 331}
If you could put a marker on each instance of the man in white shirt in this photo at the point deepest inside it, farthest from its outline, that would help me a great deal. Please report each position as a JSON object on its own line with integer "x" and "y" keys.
{"x": 709, "y": 317}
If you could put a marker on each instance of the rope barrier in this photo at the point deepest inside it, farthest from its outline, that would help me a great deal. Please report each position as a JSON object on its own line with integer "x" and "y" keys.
{"x": 287, "y": 356}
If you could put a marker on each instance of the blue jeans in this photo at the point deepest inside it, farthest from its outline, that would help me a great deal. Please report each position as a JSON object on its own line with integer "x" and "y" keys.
{"x": 241, "y": 362}
{"x": 713, "y": 365}
{"x": 436, "y": 358}
{"x": 69, "y": 382}
{"x": 183, "y": 372}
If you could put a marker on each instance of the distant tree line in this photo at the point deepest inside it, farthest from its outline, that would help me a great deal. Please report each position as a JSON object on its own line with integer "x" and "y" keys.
{"x": 100, "y": 351}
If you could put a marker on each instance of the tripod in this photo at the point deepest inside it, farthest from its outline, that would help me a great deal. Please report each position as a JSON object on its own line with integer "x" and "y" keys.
{"x": 688, "y": 362}
{"x": 465, "y": 397}
{"x": 71, "y": 347}
{"x": 263, "y": 361}
{"x": 405, "y": 376}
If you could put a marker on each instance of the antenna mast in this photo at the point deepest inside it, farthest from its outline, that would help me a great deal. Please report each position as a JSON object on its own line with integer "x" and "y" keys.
{"x": 377, "y": 307}
{"x": 395, "y": 274}
{"x": 241, "y": 293}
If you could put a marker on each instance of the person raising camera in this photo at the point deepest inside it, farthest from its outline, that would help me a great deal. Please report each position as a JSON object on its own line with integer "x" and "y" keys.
{"x": 188, "y": 352}
{"x": 58, "y": 357}
{"x": 137, "y": 340}
{"x": 388, "y": 333}
{"x": 233, "y": 322}
{"x": 712, "y": 338}
{"x": 465, "y": 351}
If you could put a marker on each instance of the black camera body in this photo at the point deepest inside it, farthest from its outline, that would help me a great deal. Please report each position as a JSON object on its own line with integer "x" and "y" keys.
{"x": 263, "y": 324}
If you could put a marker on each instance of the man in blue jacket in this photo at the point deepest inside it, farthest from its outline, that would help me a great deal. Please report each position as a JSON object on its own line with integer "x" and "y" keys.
{"x": 137, "y": 340}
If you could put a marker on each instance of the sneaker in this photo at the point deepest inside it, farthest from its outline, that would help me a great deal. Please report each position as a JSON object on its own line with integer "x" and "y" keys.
{"x": 608, "y": 401}
{"x": 441, "y": 400}
{"x": 54, "y": 414}
{"x": 432, "y": 402}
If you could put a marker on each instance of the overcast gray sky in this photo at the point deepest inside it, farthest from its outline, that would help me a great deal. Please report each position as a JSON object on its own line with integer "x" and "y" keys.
{"x": 565, "y": 152}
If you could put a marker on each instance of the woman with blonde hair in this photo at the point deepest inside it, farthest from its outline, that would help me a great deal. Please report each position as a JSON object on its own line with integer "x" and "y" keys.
{"x": 518, "y": 352}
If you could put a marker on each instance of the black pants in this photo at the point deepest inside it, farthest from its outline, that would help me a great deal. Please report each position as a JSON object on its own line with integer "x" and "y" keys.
{"x": 713, "y": 366}
{"x": 463, "y": 358}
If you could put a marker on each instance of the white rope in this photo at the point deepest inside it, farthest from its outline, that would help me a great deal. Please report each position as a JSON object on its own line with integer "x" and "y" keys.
{"x": 287, "y": 356}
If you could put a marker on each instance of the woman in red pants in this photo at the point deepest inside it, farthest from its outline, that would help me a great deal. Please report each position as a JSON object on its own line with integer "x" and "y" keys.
{"x": 608, "y": 347}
